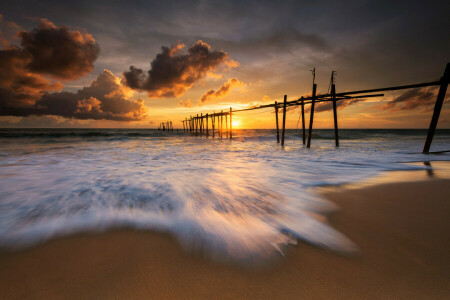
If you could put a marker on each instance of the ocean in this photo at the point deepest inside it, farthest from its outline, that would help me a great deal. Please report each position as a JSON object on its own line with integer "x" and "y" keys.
{"x": 244, "y": 199}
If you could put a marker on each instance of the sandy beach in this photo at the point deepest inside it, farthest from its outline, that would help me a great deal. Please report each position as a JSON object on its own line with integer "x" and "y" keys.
{"x": 401, "y": 228}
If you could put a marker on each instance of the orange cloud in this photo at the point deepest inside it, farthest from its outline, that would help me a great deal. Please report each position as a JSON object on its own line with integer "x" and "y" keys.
{"x": 172, "y": 72}
{"x": 186, "y": 103}
{"x": 46, "y": 50}
{"x": 222, "y": 91}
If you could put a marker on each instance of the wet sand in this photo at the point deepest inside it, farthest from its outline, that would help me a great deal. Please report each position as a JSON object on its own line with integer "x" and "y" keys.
{"x": 402, "y": 230}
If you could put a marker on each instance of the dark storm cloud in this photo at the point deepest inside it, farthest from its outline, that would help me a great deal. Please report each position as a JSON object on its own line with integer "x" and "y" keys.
{"x": 58, "y": 51}
{"x": 104, "y": 99}
{"x": 278, "y": 40}
{"x": 413, "y": 99}
{"x": 20, "y": 88}
{"x": 172, "y": 73}
{"x": 326, "y": 106}
{"x": 47, "y": 50}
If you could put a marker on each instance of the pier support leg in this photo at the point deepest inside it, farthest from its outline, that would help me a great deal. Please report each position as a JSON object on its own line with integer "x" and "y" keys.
{"x": 207, "y": 131}
{"x": 311, "y": 118}
{"x": 284, "y": 120}
{"x": 226, "y": 125}
{"x": 437, "y": 108}
{"x": 303, "y": 122}
{"x": 231, "y": 123}
{"x": 336, "y": 133}
{"x": 276, "y": 120}
{"x": 213, "y": 123}
{"x": 221, "y": 124}
{"x": 196, "y": 125}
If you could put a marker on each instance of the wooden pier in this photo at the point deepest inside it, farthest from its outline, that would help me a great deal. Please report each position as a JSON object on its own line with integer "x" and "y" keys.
{"x": 199, "y": 124}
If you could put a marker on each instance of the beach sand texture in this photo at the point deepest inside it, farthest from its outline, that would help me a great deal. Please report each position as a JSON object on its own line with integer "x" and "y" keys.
{"x": 401, "y": 228}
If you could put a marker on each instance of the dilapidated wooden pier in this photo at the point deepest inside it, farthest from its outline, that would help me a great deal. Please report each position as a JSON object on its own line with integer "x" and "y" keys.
{"x": 199, "y": 124}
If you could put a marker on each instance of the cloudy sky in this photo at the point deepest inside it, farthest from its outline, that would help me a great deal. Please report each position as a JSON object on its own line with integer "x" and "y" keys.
{"x": 137, "y": 63}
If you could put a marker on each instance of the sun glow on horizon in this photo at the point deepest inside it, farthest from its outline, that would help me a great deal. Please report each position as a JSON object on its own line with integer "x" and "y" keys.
{"x": 236, "y": 123}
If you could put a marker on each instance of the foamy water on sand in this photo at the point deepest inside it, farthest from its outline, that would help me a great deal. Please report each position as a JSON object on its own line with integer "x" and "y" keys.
{"x": 242, "y": 200}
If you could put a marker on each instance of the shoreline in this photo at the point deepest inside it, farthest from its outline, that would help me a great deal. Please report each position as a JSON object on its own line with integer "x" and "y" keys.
{"x": 401, "y": 228}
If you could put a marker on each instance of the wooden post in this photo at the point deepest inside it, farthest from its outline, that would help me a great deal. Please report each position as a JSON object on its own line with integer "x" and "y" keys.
{"x": 303, "y": 122}
{"x": 221, "y": 124}
{"x": 445, "y": 80}
{"x": 218, "y": 125}
{"x": 311, "y": 118}
{"x": 226, "y": 125}
{"x": 206, "y": 118}
{"x": 213, "y": 123}
{"x": 231, "y": 123}
{"x": 201, "y": 123}
{"x": 196, "y": 124}
{"x": 333, "y": 96}
{"x": 276, "y": 120}
{"x": 284, "y": 120}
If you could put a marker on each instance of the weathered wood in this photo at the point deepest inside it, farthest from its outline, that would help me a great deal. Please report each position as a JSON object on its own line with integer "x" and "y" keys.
{"x": 303, "y": 121}
{"x": 333, "y": 96}
{"x": 284, "y": 120}
{"x": 213, "y": 124}
{"x": 276, "y": 120}
{"x": 226, "y": 125}
{"x": 311, "y": 118}
{"x": 201, "y": 123}
{"x": 207, "y": 131}
{"x": 445, "y": 80}
{"x": 196, "y": 124}
{"x": 231, "y": 123}
{"x": 221, "y": 124}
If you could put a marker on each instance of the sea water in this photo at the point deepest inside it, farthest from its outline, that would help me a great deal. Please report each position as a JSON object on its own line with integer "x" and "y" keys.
{"x": 243, "y": 199}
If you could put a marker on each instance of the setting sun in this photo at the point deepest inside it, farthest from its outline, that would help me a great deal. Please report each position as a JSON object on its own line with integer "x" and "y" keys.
{"x": 236, "y": 123}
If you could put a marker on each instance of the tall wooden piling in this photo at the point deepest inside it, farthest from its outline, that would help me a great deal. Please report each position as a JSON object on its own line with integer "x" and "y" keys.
{"x": 213, "y": 123}
{"x": 284, "y": 120}
{"x": 276, "y": 120}
{"x": 303, "y": 121}
{"x": 226, "y": 125}
{"x": 196, "y": 125}
{"x": 221, "y": 124}
{"x": 333, "y": 96}
{"x": 311, "y": 118}
{"x": 206, "y": 119}
{"x": 445, "y": 80}
{"x": 201, "y": 123}
{"x": 231, "y": 123}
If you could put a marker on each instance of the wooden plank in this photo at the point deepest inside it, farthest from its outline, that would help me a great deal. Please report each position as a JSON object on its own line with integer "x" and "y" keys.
{"x": 437, "y": 108}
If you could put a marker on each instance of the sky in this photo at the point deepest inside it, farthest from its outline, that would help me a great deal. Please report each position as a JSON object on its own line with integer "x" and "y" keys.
{"x": 134, "y": 64}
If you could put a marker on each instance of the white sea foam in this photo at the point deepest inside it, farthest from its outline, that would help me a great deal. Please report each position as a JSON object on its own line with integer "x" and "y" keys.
{"x": 242, "y": 200}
